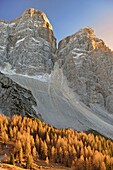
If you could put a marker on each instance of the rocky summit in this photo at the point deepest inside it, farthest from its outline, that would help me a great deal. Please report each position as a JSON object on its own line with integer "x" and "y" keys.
{"x": 70, "y": 87}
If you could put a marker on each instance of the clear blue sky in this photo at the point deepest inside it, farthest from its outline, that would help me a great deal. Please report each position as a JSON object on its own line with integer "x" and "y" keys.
{"x": 67, "y": 16}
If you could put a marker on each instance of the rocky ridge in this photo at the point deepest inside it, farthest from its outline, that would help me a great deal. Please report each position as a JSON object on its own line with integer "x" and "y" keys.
{"x": 72, "y": 86}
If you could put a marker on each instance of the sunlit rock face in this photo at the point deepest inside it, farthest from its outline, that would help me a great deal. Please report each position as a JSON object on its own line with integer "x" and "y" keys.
{"x": 28, "y": 44}
{"x": 84, "y": 39}
{"x": 88, "y": 65}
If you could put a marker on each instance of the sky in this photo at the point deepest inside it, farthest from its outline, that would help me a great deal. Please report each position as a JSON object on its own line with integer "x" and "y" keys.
{"x": 67, "y": 16}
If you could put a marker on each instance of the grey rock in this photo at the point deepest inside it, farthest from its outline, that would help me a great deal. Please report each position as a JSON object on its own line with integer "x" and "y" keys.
{"x": 88, "y": 65}
{"x": 15, "y": 99}
{"x": 27, "y": 43}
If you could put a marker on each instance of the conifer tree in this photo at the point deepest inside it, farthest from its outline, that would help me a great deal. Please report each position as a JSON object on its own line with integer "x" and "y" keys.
{"x": 44, "y": 150}
{"x": 4, "y": 137}
{"x": 34, "y": 152}
{"x": 28, "y": 163}
{"x": 37, "y": 142}
{"x": 47, "y": 160}
{"x": 20, "y": 155}
{"x": 27, "y": 148}
{"x": 12, "y": 161}
{"x": 53, "y": 152}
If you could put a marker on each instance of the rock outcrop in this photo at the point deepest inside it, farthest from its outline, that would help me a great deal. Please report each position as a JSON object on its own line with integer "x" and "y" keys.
{"x": 15, "y": 99}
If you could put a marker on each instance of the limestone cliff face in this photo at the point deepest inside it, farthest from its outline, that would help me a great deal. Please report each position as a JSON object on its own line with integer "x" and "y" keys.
{"x": 27, "y": 43}
{"x": 88, "y": 65}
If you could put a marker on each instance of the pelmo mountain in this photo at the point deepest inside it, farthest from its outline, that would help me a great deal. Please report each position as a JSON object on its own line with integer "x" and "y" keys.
{"x": 68, "y": 87}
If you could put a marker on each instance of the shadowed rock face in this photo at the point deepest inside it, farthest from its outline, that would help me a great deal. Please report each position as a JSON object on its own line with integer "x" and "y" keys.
{"x": 15, "y": 99}
{"x": 71, "y": 86}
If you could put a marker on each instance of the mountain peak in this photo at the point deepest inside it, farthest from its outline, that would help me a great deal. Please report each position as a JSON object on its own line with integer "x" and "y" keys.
{"x": 85, "y": 39}
{"x": 88, "y": 30}
{"x": 39, "y": 16}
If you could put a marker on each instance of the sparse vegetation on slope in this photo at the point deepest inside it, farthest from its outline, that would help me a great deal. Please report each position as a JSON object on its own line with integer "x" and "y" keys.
{"x": 35, "y": 140}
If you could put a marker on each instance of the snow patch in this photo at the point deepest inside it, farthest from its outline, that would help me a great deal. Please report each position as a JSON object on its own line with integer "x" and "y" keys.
{"x": 4, "y": 24}
{"x": 2, "y": 47}
{"x": 35, "y": 40}
{"x": 21, "y": 40}
{"x": 12, "y": 24}
{"x": 42, "y": 78}
{"x": 8, "y": 71}
{"x": 77, "y": 55}
{"x": 77, "y": 58}
{"x": 78, "y": 50}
